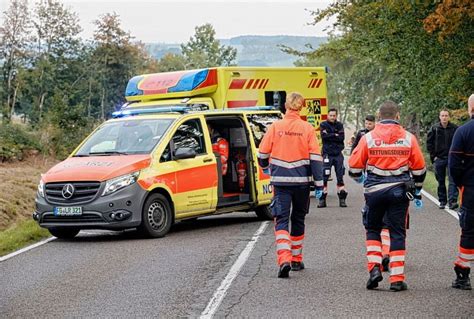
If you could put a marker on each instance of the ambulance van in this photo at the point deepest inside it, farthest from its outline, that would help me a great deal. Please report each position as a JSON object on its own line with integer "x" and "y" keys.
{"x": 150, "y": 167}
{"x": 233, "y": 87}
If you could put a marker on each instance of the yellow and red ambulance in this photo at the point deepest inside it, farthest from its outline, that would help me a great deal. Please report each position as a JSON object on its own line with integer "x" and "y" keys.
{"x": 233, "y": 87}
{"x": 151, "y": 167}
{"x": 154, "y": 164}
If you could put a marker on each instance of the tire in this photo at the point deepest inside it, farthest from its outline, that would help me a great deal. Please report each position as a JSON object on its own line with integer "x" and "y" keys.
{"x": 264, "y": 212}
{"x": 157, "y": 217}
{"x": 64, "y": 233}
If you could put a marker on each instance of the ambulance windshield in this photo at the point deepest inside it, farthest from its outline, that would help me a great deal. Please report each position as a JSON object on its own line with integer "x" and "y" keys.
{"x": 137, "y": 136}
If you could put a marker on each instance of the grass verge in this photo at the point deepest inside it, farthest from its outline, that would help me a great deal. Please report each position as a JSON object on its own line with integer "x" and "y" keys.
{"x": 22, "y": 234}
{"x": 431, "y": 185}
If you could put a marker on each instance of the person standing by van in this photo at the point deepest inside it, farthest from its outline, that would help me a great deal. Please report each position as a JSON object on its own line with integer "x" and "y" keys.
{"x": 291, "y": 174}
{"x": 332, "y": 134}
{"x": 438, "y": 143}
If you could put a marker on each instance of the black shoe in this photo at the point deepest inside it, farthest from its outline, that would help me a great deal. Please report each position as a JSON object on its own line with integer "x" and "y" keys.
{"x": 342, "y": 203}
{"x": 442, "y": 205}
{"x": 322, "y": 203}
{"x": 398, "y": 286}
{"x": 453, "y": 206}
{"x": 462, "y": 280}
{"x": 297, "y": 265}
{"x": 375, "y": 277}
{"x": 386, "y": 263}
{"x": 284, "y": 270}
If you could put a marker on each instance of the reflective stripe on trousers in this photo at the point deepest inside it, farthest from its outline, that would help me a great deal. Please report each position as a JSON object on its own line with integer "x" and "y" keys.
{"x": 283, "y": 246}
{"x": 385, "y": 234}
{"x": 374, "y": 253}
{"x": 465, "y": 257}
{"x": 397, "y": 265}
{"x": 297, "y": 248}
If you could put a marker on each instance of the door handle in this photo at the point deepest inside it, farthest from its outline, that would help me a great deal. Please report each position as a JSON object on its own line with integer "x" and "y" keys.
{"x": 207, "y": 160}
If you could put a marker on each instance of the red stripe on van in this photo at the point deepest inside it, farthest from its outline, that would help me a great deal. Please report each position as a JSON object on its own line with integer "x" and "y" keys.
{"x": 241, "y": 103}
{"x": 249, "y": 84}
{"x": 319, "y": 83}
{"x": 237, "y": 84}
{"x": 186, "y": 180}
{"x": 255, "y": 85}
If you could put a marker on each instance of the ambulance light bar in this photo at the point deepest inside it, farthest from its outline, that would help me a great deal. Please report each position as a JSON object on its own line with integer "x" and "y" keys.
{"x": 138, "y": 111}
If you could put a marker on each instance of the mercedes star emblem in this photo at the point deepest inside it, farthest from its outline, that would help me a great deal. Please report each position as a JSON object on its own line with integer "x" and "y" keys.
{"x": 68, "y": 191}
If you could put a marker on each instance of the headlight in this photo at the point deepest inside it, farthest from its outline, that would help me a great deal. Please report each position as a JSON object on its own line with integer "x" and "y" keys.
{"x": 41, "y": 188}
{"x": 120, "y": 182}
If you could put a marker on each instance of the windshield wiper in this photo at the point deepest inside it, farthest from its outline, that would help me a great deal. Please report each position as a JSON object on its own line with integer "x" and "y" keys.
{"x": 81, "y": 155}
{"x": 108, "y": 153}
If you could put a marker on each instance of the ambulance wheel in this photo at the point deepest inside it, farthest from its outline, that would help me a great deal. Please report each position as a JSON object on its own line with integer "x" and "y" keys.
{"x": 264, "y": 212}
{"x": 64, "y": 233}
{"x": 156, "y": 217}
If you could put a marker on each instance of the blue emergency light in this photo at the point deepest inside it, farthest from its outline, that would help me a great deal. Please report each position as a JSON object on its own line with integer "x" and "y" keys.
{"x": 157, "y": 110}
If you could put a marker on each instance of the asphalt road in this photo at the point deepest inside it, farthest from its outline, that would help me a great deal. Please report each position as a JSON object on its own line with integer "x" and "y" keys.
{"x": 110, "y": 275}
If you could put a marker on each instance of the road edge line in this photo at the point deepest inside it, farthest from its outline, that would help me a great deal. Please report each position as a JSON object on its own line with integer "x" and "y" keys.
{"x": 434, "y": 200}
{"x": 220, "y": 293}
{"x": 25, "y": 249}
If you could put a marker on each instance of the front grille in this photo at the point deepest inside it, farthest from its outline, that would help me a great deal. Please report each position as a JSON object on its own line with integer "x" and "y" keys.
{"x": 84, "y": 218}
{"x": 83, "y": 192}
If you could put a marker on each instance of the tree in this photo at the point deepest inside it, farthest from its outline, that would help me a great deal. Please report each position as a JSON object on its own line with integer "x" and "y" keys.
{"x": 57, "y": 45}
{"x": 388, "y": 44}
{"x": 15, "y": 39}
{"x": 204, "y": 50}
{"x": 171, "y": 62}
{"x": 117, "y": 59}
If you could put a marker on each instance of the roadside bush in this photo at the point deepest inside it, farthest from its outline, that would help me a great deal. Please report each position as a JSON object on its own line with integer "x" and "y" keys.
{"x": 64, "y": 127}
{"x": 16, "y": 141}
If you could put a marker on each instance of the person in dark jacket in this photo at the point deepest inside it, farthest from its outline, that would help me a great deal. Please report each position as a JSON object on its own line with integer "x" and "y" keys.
{"x": 369, "y": 126}
{"x": 461, "y": 167}
{"x": 438, "y": 143}
{"x": 332, "y": 135}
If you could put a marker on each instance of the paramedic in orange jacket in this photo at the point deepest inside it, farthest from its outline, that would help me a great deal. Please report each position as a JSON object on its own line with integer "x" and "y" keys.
{"x": 290, "y": 154}
{"x": 392, "y": 159}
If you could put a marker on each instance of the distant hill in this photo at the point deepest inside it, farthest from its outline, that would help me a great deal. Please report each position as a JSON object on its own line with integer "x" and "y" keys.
{"x": 252, "y": 50}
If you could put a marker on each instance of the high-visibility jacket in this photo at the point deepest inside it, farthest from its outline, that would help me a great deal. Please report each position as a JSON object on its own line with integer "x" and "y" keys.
{"x": 221, "y": 146}
{"x": 292, "y": 152}
{"x": 390, "y": 155}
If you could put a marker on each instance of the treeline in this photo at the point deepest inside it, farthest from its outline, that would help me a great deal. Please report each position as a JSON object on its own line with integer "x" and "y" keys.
{"x": 417, "y": 53}
{"x": 61, "y": 85}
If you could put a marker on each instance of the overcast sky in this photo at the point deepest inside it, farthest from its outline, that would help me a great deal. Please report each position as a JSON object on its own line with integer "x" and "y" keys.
{"x": 174, "y": 21}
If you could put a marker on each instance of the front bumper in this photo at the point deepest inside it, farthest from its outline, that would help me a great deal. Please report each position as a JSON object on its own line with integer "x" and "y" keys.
{"x": 120, "y": 210}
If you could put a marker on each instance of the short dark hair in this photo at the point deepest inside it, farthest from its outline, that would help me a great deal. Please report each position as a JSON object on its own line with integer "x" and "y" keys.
{"x": 370, "y": 117}
{"x": 332, "y": 110}
{"x": 388, "y": 110}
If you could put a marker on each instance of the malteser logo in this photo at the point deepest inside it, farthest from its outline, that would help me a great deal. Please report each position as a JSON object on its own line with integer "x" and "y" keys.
{"x": 293, "y": 133}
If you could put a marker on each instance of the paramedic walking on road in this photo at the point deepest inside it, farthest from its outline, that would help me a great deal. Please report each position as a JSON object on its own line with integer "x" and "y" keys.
{"x": 332, "y": 134}
{"x": 290, "y": 154}
{"x": 390, "y": 155}
{"x": 438, "y": 143}
{"x": 461, "y": 167}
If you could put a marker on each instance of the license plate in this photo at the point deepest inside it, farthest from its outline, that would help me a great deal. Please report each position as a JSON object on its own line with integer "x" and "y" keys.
{"x": 67, "y": 211}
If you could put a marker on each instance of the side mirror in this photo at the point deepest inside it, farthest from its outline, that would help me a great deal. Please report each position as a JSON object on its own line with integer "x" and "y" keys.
{"x": 184, "y": 152}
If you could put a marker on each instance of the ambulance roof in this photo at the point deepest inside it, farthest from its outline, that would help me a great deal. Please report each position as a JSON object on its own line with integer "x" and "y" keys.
{"x": 171, "y": 84}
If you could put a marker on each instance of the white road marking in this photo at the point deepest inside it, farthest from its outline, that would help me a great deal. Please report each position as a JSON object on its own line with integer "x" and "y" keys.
{"x": 13, "y": 254}
{"x": 220, "y": 293}
{"x": 434, "y": 200}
